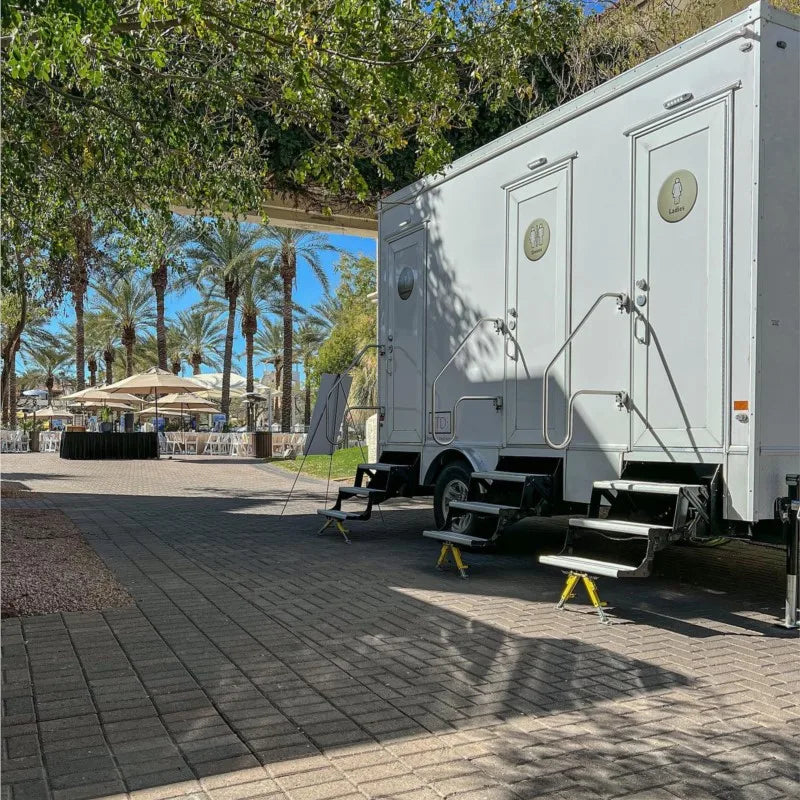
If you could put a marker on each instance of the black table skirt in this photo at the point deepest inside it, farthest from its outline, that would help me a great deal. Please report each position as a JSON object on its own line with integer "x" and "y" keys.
{"x": 92, "y": 446}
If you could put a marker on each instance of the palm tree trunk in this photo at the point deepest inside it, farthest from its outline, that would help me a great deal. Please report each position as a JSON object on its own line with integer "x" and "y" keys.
{"x": 286, "y": 383}
{"x": 129, "y": 358}
{"x": 159, "y": 281}
{"x": 248, "y": 348}
{"x": 80, "y": 356}
{"x": 307, "y": 410}
{"x": 12, "y": 391}
{"x": 196, "y": 362}
{"x": 5, "y": 401}
{"x": 108, "y": 357}
{"x": 227, "y": 359}
{"x": 92, "y": 364}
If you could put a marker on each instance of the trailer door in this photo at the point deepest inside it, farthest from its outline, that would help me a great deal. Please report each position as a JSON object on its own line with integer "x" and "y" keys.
{"x": 680, "y": 202}
{"x": 537, "y": 299}
{"x": 405, "y": 346}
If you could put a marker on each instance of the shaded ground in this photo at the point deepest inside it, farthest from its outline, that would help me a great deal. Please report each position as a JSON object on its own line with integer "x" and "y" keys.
{"x": 261, "y": 660}
{"x": 47, "y": 566}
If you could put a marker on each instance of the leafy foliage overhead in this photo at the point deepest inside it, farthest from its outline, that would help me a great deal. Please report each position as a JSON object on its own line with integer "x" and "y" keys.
{"x": 220, "y": 102}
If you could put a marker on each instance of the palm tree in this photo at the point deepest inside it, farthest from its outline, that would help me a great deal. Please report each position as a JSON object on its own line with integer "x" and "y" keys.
{"x": 308, "y": 337}
{"x": 128, "y": 302}
{"x": 225, "y": 256}
{"x": 268, "y": 343}
{"x": 328, "y": 312}
{"x": 167, "y": 241}
{"x": 289, "y": 248}
{"x": 202, "y": 334}
{"x": 260, "y": 294}
{"x": 47, "y": 359}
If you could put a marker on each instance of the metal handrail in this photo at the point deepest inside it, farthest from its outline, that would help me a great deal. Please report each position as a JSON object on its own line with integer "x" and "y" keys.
{"x": 623, "y": 304}
{"x": 499, "y": 327}
{"x": 336, "y": 383}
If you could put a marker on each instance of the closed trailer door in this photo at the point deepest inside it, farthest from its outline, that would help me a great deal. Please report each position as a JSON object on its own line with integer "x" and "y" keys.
{"x": 680, "y": 207}
{"x": 538, "y": 237}
{"x": 405, "y": 347}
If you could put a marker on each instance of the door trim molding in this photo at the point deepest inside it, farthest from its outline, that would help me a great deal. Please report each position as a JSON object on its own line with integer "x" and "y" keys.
{"x": 684, "y": 110}
{"x": 725, "y": 97}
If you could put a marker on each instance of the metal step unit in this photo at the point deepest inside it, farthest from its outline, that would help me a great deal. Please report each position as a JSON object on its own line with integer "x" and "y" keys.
{"x": 376, "y": 483}
{"x": 645, "y": 512}
{"x": 496, "y": 499}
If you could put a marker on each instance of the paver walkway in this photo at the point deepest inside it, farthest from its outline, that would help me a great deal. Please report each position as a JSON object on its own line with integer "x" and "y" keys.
{"x": 264, "y": 661}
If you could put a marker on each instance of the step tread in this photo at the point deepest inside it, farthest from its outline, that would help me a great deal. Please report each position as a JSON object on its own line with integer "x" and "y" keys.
{"x": 360, "y": 491}
{"x": 481, "y": 508}
{"x": 645, "y": 487}
{"x": 591, "y": 566}
{"x": 617, "y": 526}
{"x": 456, "y": 538}
{"x": 510, "y": 477}
{"x": 379, "y": 466}
{"x": 333, "y": 513}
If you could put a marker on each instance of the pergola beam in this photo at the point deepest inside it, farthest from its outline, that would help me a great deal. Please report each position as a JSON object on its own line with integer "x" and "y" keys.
{"x": 289, "y": 213}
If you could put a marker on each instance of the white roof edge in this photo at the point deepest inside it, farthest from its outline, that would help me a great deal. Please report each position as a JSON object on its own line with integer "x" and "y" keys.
{"x": 607, "y": 90}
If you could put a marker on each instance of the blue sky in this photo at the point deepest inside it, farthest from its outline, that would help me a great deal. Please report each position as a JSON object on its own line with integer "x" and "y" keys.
{"x": 308, "y": 293}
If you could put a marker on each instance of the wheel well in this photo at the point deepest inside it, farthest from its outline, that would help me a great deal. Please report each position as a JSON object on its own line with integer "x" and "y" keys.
{"x": 444, "y": 459}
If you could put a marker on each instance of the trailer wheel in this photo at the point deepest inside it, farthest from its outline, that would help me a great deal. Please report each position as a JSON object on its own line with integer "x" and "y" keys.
{"x": 452, "y": 484}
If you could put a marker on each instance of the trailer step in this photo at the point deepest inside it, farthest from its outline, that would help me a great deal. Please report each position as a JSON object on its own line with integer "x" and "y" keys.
{"x": 589, "y": 565}
{"x": 332, "y": 513}
{"x": 617, "y": 526}
{"x": 645, "y": 487}
{"x": 508, "y": 477}
{"x": 360, "y": 491}
{"x": 455, "y": 538}
{"x": 381, "y": 467}
{"x": 491, "y": 509}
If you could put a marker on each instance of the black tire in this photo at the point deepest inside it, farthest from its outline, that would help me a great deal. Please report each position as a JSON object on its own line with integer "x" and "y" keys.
{"x": 452, "y": 481}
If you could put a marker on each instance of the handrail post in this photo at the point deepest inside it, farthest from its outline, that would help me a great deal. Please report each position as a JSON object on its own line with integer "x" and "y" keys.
{"x": 623, "y": 306}
{"x": 500, "y": 328}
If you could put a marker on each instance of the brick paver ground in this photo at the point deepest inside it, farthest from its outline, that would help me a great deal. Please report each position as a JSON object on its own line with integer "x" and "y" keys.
{"x": 264, "y": 661}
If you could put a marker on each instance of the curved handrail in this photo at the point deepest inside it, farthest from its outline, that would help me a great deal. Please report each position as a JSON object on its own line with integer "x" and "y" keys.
{"x": 623, "y": 304}
{"x": 353, "y": 363}
{"x": 499, "y": 327}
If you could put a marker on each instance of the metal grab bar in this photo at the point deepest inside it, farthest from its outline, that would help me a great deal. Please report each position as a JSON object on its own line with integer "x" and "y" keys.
{"x": 623, "y": 304}
{"x": 336, "y": 383}
{"x": 500, "y": 328}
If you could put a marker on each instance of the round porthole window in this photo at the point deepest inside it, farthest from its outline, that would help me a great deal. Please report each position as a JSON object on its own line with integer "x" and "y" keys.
{"x": 405, "y": 283}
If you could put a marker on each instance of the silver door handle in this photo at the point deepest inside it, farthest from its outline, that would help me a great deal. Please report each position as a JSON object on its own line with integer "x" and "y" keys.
{"x": 645, "y": 339}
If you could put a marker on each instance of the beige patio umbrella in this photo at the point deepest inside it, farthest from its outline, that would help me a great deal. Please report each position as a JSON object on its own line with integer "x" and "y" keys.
{"x": 155, "y": 381}
{"x": 152, "y": 411}
{"x": 48, "y": 412}
{"x": 94, "y": 397}
{"x": 188, "y": 402}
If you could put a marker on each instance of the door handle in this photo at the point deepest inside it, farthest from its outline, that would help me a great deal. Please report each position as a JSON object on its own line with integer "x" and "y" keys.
{"x": 642, "y": 339}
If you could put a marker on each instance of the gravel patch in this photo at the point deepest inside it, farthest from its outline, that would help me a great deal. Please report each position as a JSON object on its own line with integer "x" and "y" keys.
{"x": 14, "y": 489}
{"x": 47, "y": 567}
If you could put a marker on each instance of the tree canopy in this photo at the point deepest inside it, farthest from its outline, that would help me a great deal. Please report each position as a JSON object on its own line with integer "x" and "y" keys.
{"x": 218, "y": 103}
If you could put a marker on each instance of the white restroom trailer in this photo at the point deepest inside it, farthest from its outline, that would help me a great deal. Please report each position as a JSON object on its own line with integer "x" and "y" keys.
{"x": 644, "y": 241}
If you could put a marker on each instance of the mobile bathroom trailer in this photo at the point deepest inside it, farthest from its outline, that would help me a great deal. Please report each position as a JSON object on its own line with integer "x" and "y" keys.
{"x": 600, "y": 311}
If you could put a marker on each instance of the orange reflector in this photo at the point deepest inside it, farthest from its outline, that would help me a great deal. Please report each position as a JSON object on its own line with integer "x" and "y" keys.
{"x": 741, "y": 405}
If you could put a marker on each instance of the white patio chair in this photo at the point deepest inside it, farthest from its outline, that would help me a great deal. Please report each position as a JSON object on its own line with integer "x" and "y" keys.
{"x": 21, "y": 442}
{"x": 190, "y": 444}
{"x": 213, "y": 445}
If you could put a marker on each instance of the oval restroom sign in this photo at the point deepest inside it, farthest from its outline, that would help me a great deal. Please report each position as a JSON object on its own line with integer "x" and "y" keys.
{"x": 537, "y": 239}
{"x": 677, "y": 195}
